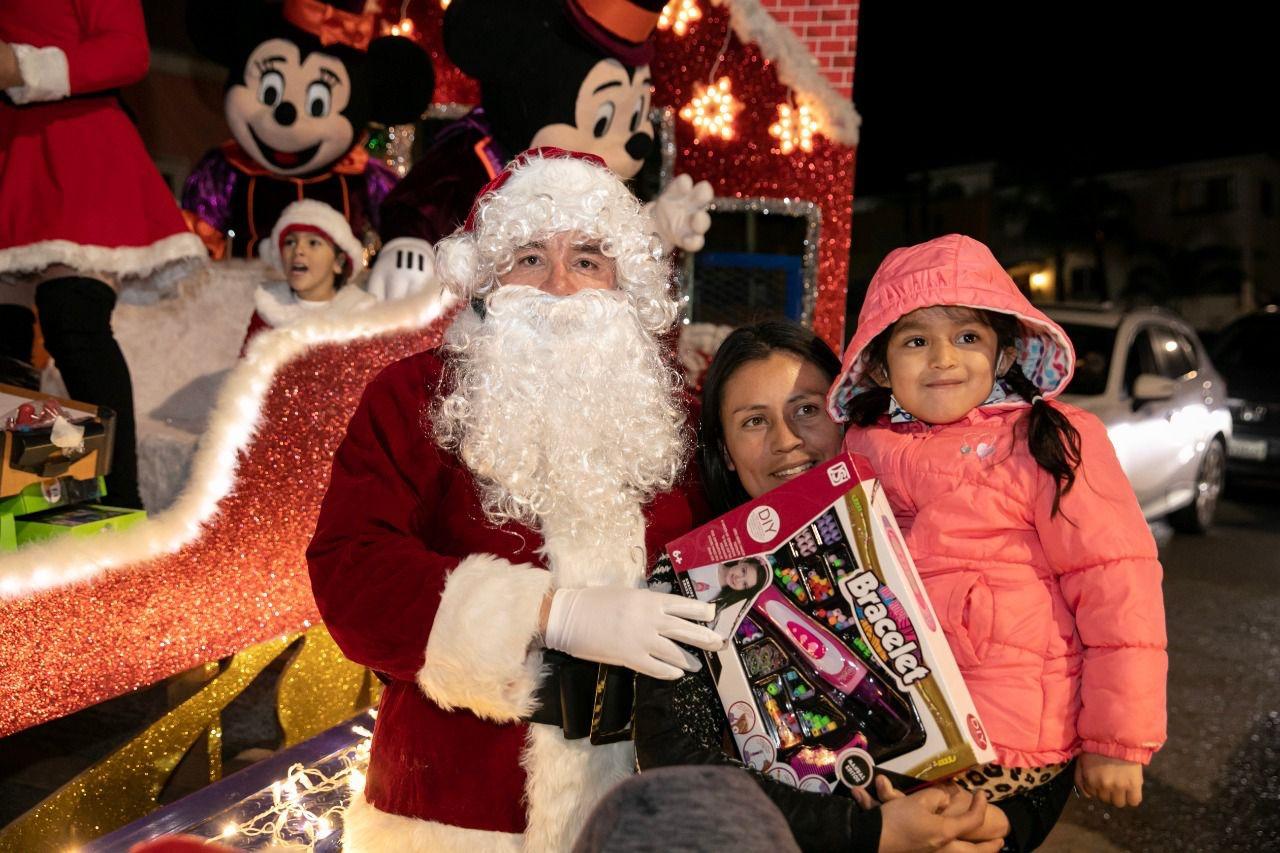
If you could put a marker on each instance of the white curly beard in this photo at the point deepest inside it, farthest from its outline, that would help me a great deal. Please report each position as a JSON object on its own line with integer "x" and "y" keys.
{"x": 563, "y": 408}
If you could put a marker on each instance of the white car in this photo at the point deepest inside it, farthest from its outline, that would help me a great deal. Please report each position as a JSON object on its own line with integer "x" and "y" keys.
{"x": 1146, "y": 375}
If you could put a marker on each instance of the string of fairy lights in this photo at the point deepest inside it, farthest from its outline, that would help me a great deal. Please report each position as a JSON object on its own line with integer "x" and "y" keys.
{"x": 307, "y": 805}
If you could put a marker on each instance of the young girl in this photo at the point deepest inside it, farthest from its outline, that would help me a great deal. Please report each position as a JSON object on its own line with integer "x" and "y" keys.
{"x": 1029, "y": 539}
{"x": 312, "y": 244}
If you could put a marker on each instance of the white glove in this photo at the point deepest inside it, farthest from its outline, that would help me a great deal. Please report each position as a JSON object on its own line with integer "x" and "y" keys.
{"x": 405, "y": 266}
{"x": 679, "y": 214}
{"x": 634, "y": 628}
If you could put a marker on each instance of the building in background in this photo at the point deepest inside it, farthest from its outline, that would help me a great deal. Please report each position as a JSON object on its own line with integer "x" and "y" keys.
{"x": 1201, "y": 237}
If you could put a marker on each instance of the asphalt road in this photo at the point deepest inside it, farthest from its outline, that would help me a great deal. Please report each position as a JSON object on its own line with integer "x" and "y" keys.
{"x": 1216, "y": 784}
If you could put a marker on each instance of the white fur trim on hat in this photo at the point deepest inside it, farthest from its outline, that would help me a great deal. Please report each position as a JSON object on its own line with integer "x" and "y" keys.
{"x": 545, "y": 196}
{"x": 319, "y": 215}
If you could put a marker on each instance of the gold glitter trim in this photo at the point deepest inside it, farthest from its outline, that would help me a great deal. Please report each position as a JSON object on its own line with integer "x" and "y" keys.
{"x": 318, "y": 689}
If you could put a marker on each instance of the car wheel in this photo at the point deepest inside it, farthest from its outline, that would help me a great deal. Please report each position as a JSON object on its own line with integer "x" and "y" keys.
{"x": 1197, "y": 517}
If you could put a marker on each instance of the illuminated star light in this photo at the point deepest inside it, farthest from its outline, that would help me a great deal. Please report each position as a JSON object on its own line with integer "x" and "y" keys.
{"x": 677, "y": 16}
{"x": 795, "y": 128}
{"x": 712, "y": 110}
{"x": 405, "y": 27}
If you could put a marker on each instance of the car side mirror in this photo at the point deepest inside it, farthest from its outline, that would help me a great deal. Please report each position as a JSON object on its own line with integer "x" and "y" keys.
{"x": 1149, "y": 387}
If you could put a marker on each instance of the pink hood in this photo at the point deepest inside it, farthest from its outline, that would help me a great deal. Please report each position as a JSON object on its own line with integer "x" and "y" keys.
{"x": 952, "y": 270}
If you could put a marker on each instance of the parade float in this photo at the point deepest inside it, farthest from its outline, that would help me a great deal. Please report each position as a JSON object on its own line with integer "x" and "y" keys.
{"x": 753, "y": 96}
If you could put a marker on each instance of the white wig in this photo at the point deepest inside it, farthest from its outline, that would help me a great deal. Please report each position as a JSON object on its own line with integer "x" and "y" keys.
{"x": 547, "y": 195}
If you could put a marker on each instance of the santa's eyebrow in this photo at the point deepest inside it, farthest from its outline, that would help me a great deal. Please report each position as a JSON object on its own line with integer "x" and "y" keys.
{"x": 590, "y": 246}
{"x": 603, "y": 86}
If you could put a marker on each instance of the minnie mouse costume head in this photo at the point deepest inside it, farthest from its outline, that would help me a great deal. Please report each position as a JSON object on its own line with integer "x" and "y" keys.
{"x": 306, "y": 77}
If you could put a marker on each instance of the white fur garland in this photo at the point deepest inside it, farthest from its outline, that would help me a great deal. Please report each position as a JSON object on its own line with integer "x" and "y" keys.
{"x": 796, "y": 66}
{"x": 235, "y": 420}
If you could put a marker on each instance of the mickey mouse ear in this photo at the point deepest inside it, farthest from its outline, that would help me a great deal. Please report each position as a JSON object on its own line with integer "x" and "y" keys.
{"x": 404, "y": 80}
{"x": 223, "y": 32}
{"x": 483, "y": 37}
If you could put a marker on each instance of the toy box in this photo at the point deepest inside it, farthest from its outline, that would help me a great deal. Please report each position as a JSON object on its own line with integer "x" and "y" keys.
{"x": 29, "y": 456}
{"x": 838, "y": 669}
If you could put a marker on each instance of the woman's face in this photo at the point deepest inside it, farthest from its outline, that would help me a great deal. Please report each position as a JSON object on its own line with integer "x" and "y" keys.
{"x": 775, "y": 422}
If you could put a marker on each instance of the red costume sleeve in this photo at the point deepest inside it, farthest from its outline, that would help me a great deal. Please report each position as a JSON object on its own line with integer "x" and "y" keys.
{"x": 376, "y": 582}
{"x": 112, "y": 51}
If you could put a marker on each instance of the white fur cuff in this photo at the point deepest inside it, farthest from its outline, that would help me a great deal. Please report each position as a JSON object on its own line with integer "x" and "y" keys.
{"x": 44, "y": 74}
{"x": 478, "y": 654}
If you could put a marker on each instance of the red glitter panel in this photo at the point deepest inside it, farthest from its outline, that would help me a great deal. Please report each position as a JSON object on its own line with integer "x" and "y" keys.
{"x": 452, "y": 86}
{"x": 244, "y": 580}
{"x": 749, "y": 164}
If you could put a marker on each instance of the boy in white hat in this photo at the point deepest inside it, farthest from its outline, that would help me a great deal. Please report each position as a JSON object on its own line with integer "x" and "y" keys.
{"x": 312, "y": 244}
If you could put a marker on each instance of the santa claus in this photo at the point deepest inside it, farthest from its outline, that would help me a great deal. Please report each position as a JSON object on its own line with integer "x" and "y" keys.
{"x": 501, "y": 497}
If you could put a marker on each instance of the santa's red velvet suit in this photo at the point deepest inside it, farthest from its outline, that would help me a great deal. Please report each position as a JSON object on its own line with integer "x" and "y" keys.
{"x": 413, "y": 581}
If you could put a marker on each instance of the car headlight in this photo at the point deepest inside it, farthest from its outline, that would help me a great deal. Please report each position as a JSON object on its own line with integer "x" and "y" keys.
{"x": 1246, "y": 411}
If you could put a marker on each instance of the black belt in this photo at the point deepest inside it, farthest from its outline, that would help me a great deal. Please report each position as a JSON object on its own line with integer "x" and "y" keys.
{"x": 585, "y": 699}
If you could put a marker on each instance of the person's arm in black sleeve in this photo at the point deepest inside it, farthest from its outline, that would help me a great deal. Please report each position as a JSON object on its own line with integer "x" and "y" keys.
{"x": 679, "y": 722}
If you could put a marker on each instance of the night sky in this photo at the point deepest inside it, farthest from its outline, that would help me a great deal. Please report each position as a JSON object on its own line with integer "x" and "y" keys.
{"x": 1074, "y": 86}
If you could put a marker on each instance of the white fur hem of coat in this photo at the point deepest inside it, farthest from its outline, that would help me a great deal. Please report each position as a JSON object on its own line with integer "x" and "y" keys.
{"x": 133, "y": 264}
{"x": 479, "y": 654}
{"x": 367, "y": 829}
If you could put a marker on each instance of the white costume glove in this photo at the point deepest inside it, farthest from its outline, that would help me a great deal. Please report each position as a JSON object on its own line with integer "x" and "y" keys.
{"x": 405, "y": 266}
{"x": 680, "y": 215}
{"x": 630, "y": 627}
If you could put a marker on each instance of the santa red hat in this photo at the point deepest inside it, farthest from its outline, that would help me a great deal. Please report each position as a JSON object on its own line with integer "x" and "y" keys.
{"x": 315, "y": 217}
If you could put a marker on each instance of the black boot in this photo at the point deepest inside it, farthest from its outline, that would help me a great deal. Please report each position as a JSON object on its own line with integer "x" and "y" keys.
{"x": 17, "y": 336}
{"x": 75, "y": 316}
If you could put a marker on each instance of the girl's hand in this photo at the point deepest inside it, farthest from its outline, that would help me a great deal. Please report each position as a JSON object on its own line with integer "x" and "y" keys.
{"x": 1114, "y": 781}
{"x": 10, "y": 74}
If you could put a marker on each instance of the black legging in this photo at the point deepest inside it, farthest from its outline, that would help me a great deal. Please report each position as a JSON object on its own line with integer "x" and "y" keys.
{"x": 75, "y": 316}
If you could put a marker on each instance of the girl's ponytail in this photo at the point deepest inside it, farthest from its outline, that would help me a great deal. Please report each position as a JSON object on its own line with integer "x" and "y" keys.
{"x": 1052, "y": 438}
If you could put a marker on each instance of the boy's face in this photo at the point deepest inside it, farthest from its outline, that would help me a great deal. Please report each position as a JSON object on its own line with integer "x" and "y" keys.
{"x": 941, "y": 363}
{"x": 311, "y": 265}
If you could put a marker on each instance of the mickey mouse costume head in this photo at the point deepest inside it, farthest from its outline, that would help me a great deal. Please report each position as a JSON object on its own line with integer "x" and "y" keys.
{"x": 572, "y": 74}
{"x": 305, "y": 79}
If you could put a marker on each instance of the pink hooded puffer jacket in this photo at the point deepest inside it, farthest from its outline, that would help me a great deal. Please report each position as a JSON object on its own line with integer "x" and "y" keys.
{"x": 1057, "y": 622}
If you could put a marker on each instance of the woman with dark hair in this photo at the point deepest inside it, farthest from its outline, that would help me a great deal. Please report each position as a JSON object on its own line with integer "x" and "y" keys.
{"x": 776, "y": 365}
{"x": 764, "y": 422}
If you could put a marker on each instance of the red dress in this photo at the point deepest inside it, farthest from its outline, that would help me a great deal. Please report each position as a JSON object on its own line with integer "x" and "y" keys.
{"x": 77, "y": 185}
{"x": 404, "y": 558}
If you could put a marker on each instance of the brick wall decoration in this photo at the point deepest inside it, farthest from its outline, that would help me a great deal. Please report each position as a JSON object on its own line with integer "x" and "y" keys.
{"x": 829, "y": 28}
